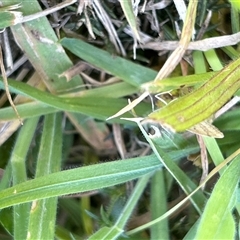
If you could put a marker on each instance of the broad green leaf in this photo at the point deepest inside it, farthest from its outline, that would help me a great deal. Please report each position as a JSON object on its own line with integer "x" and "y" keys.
{"x": 199, "y": 105}
{"x": 216, "y": 220}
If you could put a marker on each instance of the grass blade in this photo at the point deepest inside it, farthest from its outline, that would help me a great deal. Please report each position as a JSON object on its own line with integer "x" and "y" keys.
{"x": 212, "y": 225}
{"x": 43, "y": 212}
{"x": 128, "y": 71}
{"x": 19, "y": 173}
{"x": 78, "y": 180}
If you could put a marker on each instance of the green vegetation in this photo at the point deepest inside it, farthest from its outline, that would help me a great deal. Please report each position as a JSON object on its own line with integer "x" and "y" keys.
{"x": 90, "y": 164}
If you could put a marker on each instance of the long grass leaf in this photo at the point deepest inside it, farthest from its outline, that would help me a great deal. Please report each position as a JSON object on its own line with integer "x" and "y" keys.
{"x": 43, "y": 212}
{"x": 128, "y": 71}
{"x": 212, "y": 221}
{"x": 78, "y": 180}
{"x": 19, "y": 173}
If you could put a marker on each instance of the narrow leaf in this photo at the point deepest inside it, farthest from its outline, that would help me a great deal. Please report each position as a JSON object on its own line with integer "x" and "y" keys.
{"x": 224, "y": 194}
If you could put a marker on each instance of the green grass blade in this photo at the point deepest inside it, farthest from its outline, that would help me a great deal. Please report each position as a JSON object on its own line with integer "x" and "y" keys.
{"x": 213, "y": 60}
{"x": 78, "y": 180}
{"x": 128, "y": 71}
{"x": 214, "y": 151}
{"x": 176, "y": 82}
{"x": 235, "y": 4}
{"x": 18, "y": 159}
{"x": 216, "y": 217}
{"x": 158, "y": 195}
{"x": 131, "y": 18}
{"x": 199, "y": 62}
{"x": 43, "y": 212}
{"x": 132, "y": 201}
{"x": 7, "y": 177}
{"x": 100, "y": 108}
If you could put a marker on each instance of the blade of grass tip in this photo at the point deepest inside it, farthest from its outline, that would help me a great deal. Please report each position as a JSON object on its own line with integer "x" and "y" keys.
{"x": 213, "y": 60}
{"x": 4, "y": 76}
{"x": 127, "y": 8}
{"x": 158, "y": 195}
{"x": 43, "y": 212}
{"x": 18, "y": 158}
{"x": 213, "y": 224}
{"x": 118, "y": 228}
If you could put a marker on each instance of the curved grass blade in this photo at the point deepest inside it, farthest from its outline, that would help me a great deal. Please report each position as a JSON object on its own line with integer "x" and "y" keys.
{"x": 217, "y": 221}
